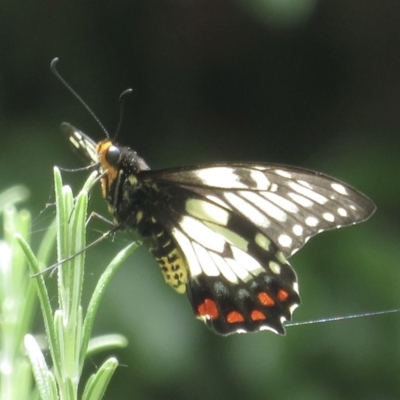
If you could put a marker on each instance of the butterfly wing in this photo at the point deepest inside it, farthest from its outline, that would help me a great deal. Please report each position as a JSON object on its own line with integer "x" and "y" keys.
{"x": 235, "y": 225}
{"x": 239, "y": 281}
{"x": 81, "y": 143}
{"x": 232, "y": 226}
{"x": 289, "y": 205}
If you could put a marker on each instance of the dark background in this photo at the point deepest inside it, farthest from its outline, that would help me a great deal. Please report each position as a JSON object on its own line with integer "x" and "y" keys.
{"x": 309, "y": 83}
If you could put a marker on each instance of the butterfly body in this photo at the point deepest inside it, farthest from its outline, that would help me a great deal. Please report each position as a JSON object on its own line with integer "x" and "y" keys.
{"x": 222, "y": 233}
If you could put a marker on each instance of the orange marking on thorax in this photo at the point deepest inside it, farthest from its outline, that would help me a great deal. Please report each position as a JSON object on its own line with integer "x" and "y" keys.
{"x": 112, "y": 172}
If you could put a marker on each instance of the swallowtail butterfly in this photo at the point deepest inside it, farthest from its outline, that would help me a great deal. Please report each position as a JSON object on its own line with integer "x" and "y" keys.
{"x": 222, "y": 233}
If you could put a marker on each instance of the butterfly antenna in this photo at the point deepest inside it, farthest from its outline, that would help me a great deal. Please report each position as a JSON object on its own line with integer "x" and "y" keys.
{"x": 341, "y": 318}
{"x": 122, "y": 101}
{"x": 88, "y": 167}
{"x": 53, "y": 65}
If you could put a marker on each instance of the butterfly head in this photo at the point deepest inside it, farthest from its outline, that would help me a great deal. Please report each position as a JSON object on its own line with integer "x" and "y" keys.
{"x": 114, "y": 157}
{"x": 116, "y": 163}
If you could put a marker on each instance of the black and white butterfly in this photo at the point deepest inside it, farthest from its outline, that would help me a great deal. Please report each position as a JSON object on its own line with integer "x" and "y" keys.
{"x": 222, "y": 233}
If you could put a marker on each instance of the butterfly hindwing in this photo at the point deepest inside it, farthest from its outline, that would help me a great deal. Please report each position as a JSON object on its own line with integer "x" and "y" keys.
{"x": 238, "y": 279}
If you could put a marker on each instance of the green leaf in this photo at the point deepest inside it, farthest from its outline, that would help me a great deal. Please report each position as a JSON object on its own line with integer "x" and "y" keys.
{"x": 44, "y": 301}
{"x": 98, "y": 293}
{"x": 105, "y": 342}
{"x": 97, "y": 383}
{"x": 40, "y": 370}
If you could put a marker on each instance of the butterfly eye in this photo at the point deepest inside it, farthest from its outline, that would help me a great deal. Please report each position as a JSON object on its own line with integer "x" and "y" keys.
{"x": 113, "y": 154}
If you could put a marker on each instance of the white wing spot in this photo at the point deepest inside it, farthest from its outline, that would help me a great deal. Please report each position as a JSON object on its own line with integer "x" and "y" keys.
{"x": 304, "y": 183}
{"x": 79, "y": 142}
{"x": 311, "y": 221}
{"x": 342, "y": 212}
{"x": 187, "y": 249}
{"x": 297, "y": 230}
{"x": 74, "y": 142}
{"x": 304, "y": 202}
{"x": 265, "y": 328}
{"x": 78, "y": 135}
{"x": 353, "y": 207}
{"x": 207, "y": 264}
{"x": 263, "y": 204}
{"x": 279, "y": 255}
{"x": 339, "y": 188}
{"x": 204, "y": 210}
{"x": 273, "y": 188}
{"x": 262, "y": 241}
{"x": 238, "y": 270}
{"x": 217, "y": 200}
{"x": 296, "y": 287}
{"x": 275, "y": 267}
{"x": 292, "y": 308}
{"x": 246, "y": 261}
{"x": 285, "y": 240}
{"x": 224, "y": 268}
{"x": 223, "y": 177}
{"x": 248, "y": 210}
{"x": 283, "y": 173}
{"x": 202, "y": 234}
{"x": 281, "y": 202}
{"x": 308, "y": 193}
{"x": 262, "y": 182}
{"x": 328, "y": 217}
{"x": 230, "y": 236}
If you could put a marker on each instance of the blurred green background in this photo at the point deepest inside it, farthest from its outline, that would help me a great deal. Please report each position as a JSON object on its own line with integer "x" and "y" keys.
{"x": 304, "y": 82}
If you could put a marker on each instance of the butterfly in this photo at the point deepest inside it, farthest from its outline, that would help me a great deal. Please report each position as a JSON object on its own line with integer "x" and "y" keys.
{"x": 222, "y": 233}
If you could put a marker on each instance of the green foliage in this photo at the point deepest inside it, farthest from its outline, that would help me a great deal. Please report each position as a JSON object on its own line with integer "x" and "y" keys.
{"x": 68, "y": 328}
{"x": 17, "y": 299}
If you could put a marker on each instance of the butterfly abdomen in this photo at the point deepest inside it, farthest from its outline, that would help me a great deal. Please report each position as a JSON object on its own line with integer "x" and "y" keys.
{"x": 131, "y": 205}
{"x": 170, "y": 259}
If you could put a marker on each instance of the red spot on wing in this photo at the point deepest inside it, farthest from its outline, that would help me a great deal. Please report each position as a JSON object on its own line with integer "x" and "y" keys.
{"x": 208, "y": 308}
{"x": 234, "y": 317}
{"x": 282, "y": 295}
{"x": 257, "y": 315}
{"x": 266, "y": 299}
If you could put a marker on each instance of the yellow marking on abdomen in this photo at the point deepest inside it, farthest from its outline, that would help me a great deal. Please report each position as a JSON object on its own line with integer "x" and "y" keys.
{"x": 174, "y": 269}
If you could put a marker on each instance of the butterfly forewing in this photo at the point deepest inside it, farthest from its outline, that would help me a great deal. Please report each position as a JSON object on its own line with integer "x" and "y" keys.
{"x": 222, "y": 233}
{"x": 290, "y": 205}
{"x": 80, "y": 142}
